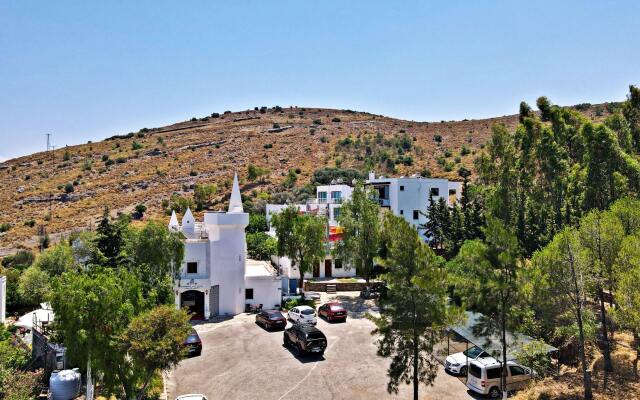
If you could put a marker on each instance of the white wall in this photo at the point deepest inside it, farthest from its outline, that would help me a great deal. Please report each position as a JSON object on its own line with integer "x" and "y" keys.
{"x": 266, "y": 291}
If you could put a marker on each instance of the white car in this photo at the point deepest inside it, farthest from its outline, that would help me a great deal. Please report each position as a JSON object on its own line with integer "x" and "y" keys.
{"x": 303, "y": 315}
{"x": 484, "y": 376}
{"x": 457, "y": 363}
{"x": 192, "y": 397}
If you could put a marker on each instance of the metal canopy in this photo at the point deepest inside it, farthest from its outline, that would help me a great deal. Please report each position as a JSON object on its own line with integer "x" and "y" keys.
{"x": 484, "y": 332}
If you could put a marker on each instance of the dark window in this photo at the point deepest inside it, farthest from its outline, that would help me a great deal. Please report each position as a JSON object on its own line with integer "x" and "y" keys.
{"x": 307, "y": 311}
{"x": 515, "y": 370}
{"x": 415, "y": 214}
{"x": 401, "y": 212}
{"x": 435, "y": 192}
{"x": 248, "y": 294}
{"x": 192, "y": 268}
{"x": 474, "y": 370}
{"x": 336, "y": 213}
{"x": 452, "y": 192}
{"x": 494, "y": 373}
{"x": 337, "y": 263}
{"x": 401, "y": 188}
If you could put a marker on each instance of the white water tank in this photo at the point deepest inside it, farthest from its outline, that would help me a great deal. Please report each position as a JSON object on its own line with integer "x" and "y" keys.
{"x": 65, "y": 385}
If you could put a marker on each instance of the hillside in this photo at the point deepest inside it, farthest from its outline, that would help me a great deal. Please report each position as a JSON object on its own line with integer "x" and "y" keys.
{"x": 152, "y": 164}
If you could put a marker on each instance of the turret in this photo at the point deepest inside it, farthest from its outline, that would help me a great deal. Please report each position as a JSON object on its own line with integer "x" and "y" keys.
{"x": 188, "y": 222}
{"x": 173, "y": 222}
{"x": 235, "y": 202}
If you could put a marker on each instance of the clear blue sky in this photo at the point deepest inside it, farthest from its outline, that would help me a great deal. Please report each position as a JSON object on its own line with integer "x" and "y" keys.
{"x": 86, "y": 70}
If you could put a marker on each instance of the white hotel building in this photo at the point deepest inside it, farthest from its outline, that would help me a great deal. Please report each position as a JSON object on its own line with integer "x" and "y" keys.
{"x": 216, "y": 278}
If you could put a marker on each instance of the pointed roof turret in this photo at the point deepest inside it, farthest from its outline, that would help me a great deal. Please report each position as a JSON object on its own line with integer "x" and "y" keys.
{"x": 188, "y": 222}
{"x": 235, "y": 202}
{"x": 173, "y": 222}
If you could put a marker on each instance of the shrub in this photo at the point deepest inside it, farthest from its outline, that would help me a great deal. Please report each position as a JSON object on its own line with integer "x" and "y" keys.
{"x": 447, "y": 153}
{"x": 261, "y": 246}
{"x": 457, "y": 160}
{"x": 289, "y": 304}
{"x": 140, "y": 134}
{"x": 335, "y": 119}
{"x": 30, "y": 223}
{"x": 534, "y": 356}
{"x": 68, "y": 188}
{"x": 87, "y": 165}
{"x": 140, "y": 210}
{"x": 66, "y": 156}
{"x": 136, "y": 146}
{"x": 105, "y": 157}
{"x": 215, "y": 115}
{"x": 464, "y": 151}
{"x": 268, "y": 146}
{"x": 324, "y": 139}
{"x": 437, "y": 138}
{"x": 317, "y": 122}
{"x": 5, "y": 227}
{"x": 193, "y": 173}
{"x": 194, "y": 119}
{"x": 326, "y": 175}
{"x": 109, "y": 162}
{"x": 276, "y": 126}
{"x": 121, "y": 160}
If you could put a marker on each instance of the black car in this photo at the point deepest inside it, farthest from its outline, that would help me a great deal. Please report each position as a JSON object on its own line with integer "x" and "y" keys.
{"x": 193, "y": 344}
{"x": 305, "y": 339}
{"x": 271, "y": 319}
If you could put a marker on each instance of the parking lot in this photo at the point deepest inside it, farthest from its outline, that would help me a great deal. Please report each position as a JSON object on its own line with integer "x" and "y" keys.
{"x": 240, "y": 360}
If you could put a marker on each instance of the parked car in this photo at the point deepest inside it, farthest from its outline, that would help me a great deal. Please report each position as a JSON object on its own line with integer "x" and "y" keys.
{"x": 369, "y": 293}
{"x": 311, "y": 295}
{"x": 271, "y": 319}
{"x": 484, "y": 376}
{"x": 303, "y": 314}
{"x": 193, "y": 344}
{"x": 333, "y": 312}
{"x": 192, "y": 397}
{"x": 457, "y": 363}
{"x": 305, "y": 339}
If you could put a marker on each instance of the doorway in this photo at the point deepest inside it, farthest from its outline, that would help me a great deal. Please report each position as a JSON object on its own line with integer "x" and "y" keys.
{"x": 327, "y": 268}
{"x": 193, "y": 301}
{"x": 316, "y": 270}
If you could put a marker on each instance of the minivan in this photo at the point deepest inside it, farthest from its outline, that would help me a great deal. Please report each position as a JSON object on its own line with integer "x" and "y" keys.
{"x": 484, "y": 376}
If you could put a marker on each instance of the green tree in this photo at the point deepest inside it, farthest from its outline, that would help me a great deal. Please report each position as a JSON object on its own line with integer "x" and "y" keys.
{"x": 261, "y": 246}
{"x": 110, "y": 240}
{"x": 92, "y": 311}
{"x": 34, "y": 285}
{"x": 360, "y": 222}
{"x": 202, "y": 195}
{"x": 257, "y": 223}
{"x": 306, "y": 249}
{"x": 489, "y": 270}
{"x": 600, "y": 234}
{"x": 56, "y": 260}
{"x": 283, "y": 222}
{"x": 154, "y": 342}
{"x": 627, "y": 292}
{"x": 415, "y": 312}
{"x": 154, "y": 256}
{"x": 560, "y": 275}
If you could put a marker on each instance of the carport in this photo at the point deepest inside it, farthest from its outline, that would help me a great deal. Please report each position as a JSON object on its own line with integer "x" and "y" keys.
{"x": 476, "y": 330}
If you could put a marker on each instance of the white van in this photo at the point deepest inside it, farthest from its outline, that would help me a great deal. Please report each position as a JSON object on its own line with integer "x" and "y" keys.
{"x": 484, "y": 376}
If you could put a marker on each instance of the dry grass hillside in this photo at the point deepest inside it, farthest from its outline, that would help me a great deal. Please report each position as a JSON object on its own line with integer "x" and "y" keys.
{"x": 152, "y": 164}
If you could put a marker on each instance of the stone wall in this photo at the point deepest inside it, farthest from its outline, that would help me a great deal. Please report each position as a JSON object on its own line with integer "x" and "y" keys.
{"x": 340, "y": 286}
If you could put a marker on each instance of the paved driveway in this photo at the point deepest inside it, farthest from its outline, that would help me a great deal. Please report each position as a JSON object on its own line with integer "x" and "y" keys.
{"x": 240, "y": 360}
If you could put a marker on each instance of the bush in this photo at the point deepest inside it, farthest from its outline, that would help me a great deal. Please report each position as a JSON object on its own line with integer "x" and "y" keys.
{"x": 268, "y": 146}
{"x": 276, "y": 126}
{"x": 68, "y": 188}
{"x": 437, "y": 138}
{"x": 326, "y": 175}
{"x": 257, "y": 223}
{"x": 109, "y": 162}
{"x": 140, "y": 210}
{"x": 30, "y": 223}
{"x": 261, "y": 246}
{"x": 105, "y": 157}
{"x": 136, "y": 146}
{"x": 335, "y": 119}
{"x": 121, "y": 160}
{"x": 534, "y": 356}
{"x": 289, "y": 304}
{"x": 66, "y": 156}
{"x": 465, "y": 151}
{"x": 324, "y": 139}
{"x": 5, "y": 227}
{"x": 317, "y": 122}
{"x": 193, "y": 173}
{"x": 215, "y": 115}
{"x": 447, "y": 153}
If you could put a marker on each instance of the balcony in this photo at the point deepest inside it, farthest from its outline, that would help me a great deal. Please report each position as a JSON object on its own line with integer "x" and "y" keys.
{"x": 324, "y": 200}
{"x": 384, "y": 202}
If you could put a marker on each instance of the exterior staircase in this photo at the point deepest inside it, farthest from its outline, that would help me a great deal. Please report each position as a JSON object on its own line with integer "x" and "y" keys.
{"x": 331, "y": 288}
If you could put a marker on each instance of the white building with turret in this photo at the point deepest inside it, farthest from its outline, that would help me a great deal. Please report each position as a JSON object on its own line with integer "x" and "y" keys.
{"x": 215, "y": 277}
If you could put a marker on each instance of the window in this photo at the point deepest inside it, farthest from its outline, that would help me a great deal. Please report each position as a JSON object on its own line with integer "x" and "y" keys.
{"x": 494, "y": 373}
{"x": 308, "y": 311}
{"x": 336, "y": 213}
{"x": 322, "y": 197}
{"x": 452, "y": 192}
{"x": 401, "y": 212}
{"x": 434, "y": 191}
{"x": 336, "y": 197}
{"x": 416, "y": 214}
{"x": 515, "y": 370}
{"x": 337, "y": 263}
{"x": 192, "y": 268}
{"x": 401, "y": 188}
{"x": 248, "y": 294}
{"x": 474, "y": 370}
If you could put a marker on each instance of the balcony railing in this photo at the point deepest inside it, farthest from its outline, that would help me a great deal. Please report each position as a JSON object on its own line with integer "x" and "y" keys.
{"x": 328, "y": 201}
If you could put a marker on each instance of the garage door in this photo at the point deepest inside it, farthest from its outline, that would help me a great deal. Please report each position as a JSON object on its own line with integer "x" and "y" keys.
{"x": 214, "y": 300}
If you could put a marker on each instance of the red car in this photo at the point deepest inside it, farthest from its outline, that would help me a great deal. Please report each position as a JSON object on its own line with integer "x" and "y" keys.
{"x": 271, "y": 319}
{"x": 333, "y": 312}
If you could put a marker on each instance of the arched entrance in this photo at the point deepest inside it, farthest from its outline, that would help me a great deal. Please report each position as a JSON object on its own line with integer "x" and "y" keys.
{"x": 193, "y": 301}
